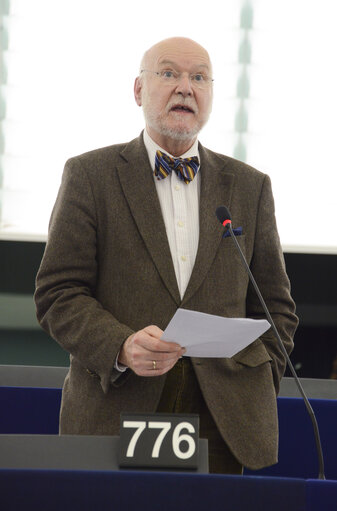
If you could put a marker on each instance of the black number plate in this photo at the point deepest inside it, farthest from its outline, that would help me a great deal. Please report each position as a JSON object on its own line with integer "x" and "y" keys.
{"x": 159, "y": 440}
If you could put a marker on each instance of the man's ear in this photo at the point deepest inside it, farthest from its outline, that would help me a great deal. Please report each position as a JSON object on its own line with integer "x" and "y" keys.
{"x": 138, "y": 91}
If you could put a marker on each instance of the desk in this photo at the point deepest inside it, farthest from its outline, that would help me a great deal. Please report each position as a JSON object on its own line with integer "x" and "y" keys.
{"x": 36, "y": 411}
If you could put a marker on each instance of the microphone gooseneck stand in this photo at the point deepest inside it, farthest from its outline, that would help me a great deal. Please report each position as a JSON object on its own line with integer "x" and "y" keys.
{"x": 224, "y": 217}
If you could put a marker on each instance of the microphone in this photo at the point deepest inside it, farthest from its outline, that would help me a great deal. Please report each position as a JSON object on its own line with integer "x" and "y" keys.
{"x": 225, "y": 219}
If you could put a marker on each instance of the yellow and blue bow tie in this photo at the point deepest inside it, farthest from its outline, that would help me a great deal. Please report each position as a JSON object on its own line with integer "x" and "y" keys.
{"x": 185, "y": 168}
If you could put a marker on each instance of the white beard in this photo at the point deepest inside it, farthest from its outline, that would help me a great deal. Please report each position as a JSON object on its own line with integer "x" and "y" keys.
{"x": 179, "y": 133}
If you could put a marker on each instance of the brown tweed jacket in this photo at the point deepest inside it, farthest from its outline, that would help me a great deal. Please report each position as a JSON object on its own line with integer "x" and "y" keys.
{"x": 107, "y": 272}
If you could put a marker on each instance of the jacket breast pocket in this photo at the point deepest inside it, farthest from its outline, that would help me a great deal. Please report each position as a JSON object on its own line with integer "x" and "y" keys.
{"x": 229, "y": 244}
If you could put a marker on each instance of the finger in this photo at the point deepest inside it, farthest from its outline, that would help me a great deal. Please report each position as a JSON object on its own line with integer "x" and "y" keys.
{"x": 159, "y": 365}
{"x": 156, "y": 369}
{"x": 165, "y": 357}
{"x": 150, "y": 343}
{"x": 154, "y": 331}
{"x": 144, "y": 360}
{"x": 163, "y": 346}
{"x": 163, "y": 362}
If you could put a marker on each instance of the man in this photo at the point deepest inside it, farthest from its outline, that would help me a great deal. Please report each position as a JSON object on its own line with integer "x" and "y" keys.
{"x": 131, "y": 241}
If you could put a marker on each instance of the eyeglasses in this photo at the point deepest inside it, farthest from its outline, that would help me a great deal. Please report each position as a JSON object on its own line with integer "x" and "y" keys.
{"x": 170, "y": 77}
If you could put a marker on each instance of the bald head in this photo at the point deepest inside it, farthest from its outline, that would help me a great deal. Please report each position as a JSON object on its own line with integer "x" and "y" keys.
{"x": 176, "y": 45}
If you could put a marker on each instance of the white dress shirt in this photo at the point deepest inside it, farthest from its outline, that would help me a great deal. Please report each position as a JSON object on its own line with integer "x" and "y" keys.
{"x": 179, "y": 204}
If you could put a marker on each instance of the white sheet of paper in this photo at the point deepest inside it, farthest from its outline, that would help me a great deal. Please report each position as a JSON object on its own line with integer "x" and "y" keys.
{"x": 206, "y": 335}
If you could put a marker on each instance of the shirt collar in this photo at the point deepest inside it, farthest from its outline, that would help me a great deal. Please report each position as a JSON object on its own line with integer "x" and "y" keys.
{"x": 152, "y": 148}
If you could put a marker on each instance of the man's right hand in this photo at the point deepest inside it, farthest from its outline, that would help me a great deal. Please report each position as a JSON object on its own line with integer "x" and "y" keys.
{"x": 147, "y": 355}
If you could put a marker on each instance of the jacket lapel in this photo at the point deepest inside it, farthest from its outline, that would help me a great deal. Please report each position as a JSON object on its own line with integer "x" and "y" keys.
{"x": 136, "y": 179}
{"x": 216, "y": 190}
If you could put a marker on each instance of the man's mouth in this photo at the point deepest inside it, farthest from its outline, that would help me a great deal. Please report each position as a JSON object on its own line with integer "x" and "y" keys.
{"x": 182, "y": 108}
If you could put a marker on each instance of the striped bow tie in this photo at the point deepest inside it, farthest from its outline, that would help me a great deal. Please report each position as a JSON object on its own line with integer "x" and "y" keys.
{"x": 185, "y": 168}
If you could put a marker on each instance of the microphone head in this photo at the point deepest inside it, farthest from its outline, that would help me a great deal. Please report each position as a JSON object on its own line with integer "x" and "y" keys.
{"x": 223, "y": 214}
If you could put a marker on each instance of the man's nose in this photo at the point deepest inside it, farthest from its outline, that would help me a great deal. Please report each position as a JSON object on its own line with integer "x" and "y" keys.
{"x": 184, "y": 85}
